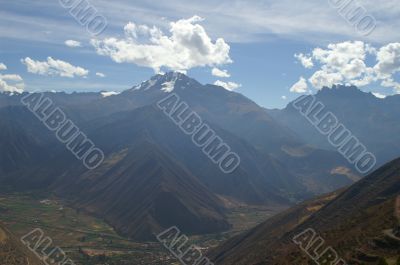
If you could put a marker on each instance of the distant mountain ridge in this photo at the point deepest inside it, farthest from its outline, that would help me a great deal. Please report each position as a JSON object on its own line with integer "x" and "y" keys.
{"x": 374, "y": 121}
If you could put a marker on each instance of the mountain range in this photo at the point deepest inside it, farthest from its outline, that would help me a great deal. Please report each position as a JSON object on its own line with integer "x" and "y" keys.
{"x": 153, "y": 175}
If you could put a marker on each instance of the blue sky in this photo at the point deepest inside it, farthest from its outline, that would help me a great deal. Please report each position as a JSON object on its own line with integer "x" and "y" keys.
{"x": 262, "y": 36}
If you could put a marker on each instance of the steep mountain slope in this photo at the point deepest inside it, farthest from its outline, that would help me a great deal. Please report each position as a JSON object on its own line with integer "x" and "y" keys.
{"x": 259, "y": 178}
{"x": 24, "y": 142}
{"x": 142, "y": 191}
{"x": 357, "y": 224}
{"x": 375, "y": 122}
{"x": 12, "y": 252}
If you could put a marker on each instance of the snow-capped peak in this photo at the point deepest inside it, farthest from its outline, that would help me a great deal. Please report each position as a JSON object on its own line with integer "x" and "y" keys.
{"x": 169, "y": 86}
{"x": 167, "y": 82}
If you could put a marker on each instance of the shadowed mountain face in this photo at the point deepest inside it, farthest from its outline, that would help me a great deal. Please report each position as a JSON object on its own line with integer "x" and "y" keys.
{"x": 151, "y": 165}
{"x": 359, "y": 224}
{"x": 23, "y": 140}
{"x": 375, "y": 122}
{"x": 141, "y": 191}
{"x": 251, "y": 182}
{"x": 12, "y": 252}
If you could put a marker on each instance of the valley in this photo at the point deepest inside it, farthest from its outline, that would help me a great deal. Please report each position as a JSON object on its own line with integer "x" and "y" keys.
{"x": 89, "y": 240}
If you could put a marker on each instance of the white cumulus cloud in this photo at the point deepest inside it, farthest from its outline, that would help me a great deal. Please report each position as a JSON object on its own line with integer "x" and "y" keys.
{"x": 220, "y": 73}
{"x": 54, "y": 67}
{"x": 227, "y": 85}
{"x": 388, "y": 59}
{"x": 11, "y": 83}
{"x": 186, "y": 46}
{"x": 389, "y": 82}
{"x": 100, "y": 74}
{"x": 352, "y": 63}
{"x": 300, "y": 86}
{"x": 306, "y": 61}
{"x": 13, "y": 77}
{"x": 16, "y": 88}
{"x": 324, "y": 78}
{"x": 73, "y": 43}
{"x": 388, "y": 65}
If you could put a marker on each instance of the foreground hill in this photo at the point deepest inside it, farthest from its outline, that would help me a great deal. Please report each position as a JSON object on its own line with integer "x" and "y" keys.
{"x": 12, "y": 252}
{"x": 360, "y": 224}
